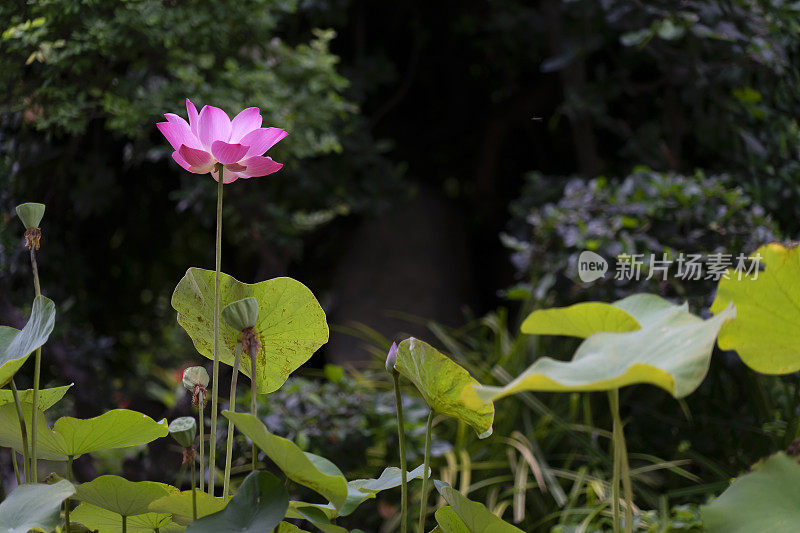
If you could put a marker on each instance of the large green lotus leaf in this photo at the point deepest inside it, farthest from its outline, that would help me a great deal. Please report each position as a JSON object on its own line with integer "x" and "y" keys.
{"x": 672, "y": 350}
{"x": 16, "y": 345}
{"x": 317, "y": 515}
{"x": 442, "y": 383}
{"x": 126, "y": 498}
{"x": 474, "y": 515}
{"x": 47, "y": 397}
{"x": 286, "y": 527}
{"x": 118, "y": 428}
{"x": 764, "y": 332}
{"x": 579, "y": 320}
{"x": 99, "y": 519}
{"x": 291, "y": 324}
{"x": 258, "y": 507}
{"x": 180, "y": 506}
{"x": 449, "y": 522}
{"x": 34, "y": 505}
{"x": 762, "y": 500}
{"x": 312, "y": 471}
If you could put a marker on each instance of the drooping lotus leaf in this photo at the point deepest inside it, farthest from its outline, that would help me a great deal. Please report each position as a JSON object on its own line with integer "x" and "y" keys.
{"x": 672, "y": 350}
{"x": 118, "y": 428}
{"x": 180, "y": 506}
{"x": 361, "y": 490}
{"x": 258, "y": 506}
{"x": 763, "y": 500}
{"x": 764, "y": 332}
{"x": 47, "y": 397}
{"x": 291, "y": 324}
{"x": 309, "y": 470}
{"x": 99, "y": 519}
{"x": 449, "y": 521}
{"x": 474, "y": 515}
{"x": 16, "y": 345}
{"x": 320, "y": 517}
{"x": 442, "y": 383}
{"x": 34, "y": 505}
{"x": 579, "y": 320}
{"x": 126, "y": 498}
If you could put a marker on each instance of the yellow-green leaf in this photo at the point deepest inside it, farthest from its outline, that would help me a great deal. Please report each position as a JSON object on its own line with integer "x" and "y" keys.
{"x": 764, "y": 332}
{"x": 672, "y": 350}
{"x": 291, "y": 324}
{"x": 474, "y": 515}
{"x": 180, "y": 506}
{"x": 443, "y": 384}
{"x": 99, "y": 519}
{"x": 579, "y": 320}
{"x": 34, "y": 506}
{"x": 118, "y": 428}
{"x": 47, "y": 397}
{"x": 126, "y": 498}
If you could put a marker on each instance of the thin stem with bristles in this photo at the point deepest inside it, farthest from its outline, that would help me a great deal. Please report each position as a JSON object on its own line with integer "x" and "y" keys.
{"x": 254, "y": 400}
{"x": 201, "y": 407}
{"x": 22, "y": 430}
{"x": 232, "y": 407}
{"x": 621, "y": 467}
{"x": 194, "y": 492}
{"x": 15, "y": 465}
{"x": 212, "y": 446}
{"x": 401, "y": 435}
{"x": 37, "y": 369}
{"x": 423, "y": 507}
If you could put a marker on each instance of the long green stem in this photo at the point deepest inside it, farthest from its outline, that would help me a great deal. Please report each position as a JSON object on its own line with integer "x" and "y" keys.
{"x": 124, "y": 524}
{"x": 37, "y": 369}
{"x": 232, "y": 406}
{"x": 201, "y": 407}
{"x": 254, "y": 400}
{"x": 15, "y": 465}
{"x": 212, "y": 447}
{"x": 22, "y": 429}
{"x": 423, "y": 508}
{"x": 194, "y": 493}
{"x": 70, "y": 478}
{"x": 401, "y": 435}
{"x": 621, "y": 467}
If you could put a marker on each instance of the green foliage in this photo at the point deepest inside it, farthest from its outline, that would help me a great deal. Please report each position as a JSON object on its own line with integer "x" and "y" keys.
{"x": 33, "y": 506}
{"x": 73, "y": 437}
{"x": 762, "y": 500}
{"x": 579, "y": 320}
{"x": 179, "y": 506}
{"x": 671, "y": 350}
{"x": 259, "y": 505}
{"x": 309, "y": 470}
{"x": 99, "y": 519}
{"x": 644, "y": 213}
{"x": 291, "y": 324}
{"x": 117, "y": 494}
{"x": 16, "y": 345}
{"x": 445, "y": 386}
{"x": 47, "y": 397}
{"x": 763, "y": 332}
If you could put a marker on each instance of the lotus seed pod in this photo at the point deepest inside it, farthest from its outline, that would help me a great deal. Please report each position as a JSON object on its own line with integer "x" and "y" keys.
{"x": 241, "y": 314}
{"x": 194, "y": 376}
{"x": 391, "y": 358}
{"x": 30, "y": 214}
{"x": 183, "y": 430}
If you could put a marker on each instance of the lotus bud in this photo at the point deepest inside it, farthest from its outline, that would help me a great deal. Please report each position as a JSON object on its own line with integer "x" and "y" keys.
{"x": 195, "y": 376}
{"x": 30, "y": 214}
{"x": 391, "y": 358}
{"x": 241, "y": 314}
{"x": 184, "y": 430}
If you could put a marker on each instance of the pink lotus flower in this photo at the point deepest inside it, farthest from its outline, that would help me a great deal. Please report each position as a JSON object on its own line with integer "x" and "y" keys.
{"x": 210, "y": 137}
